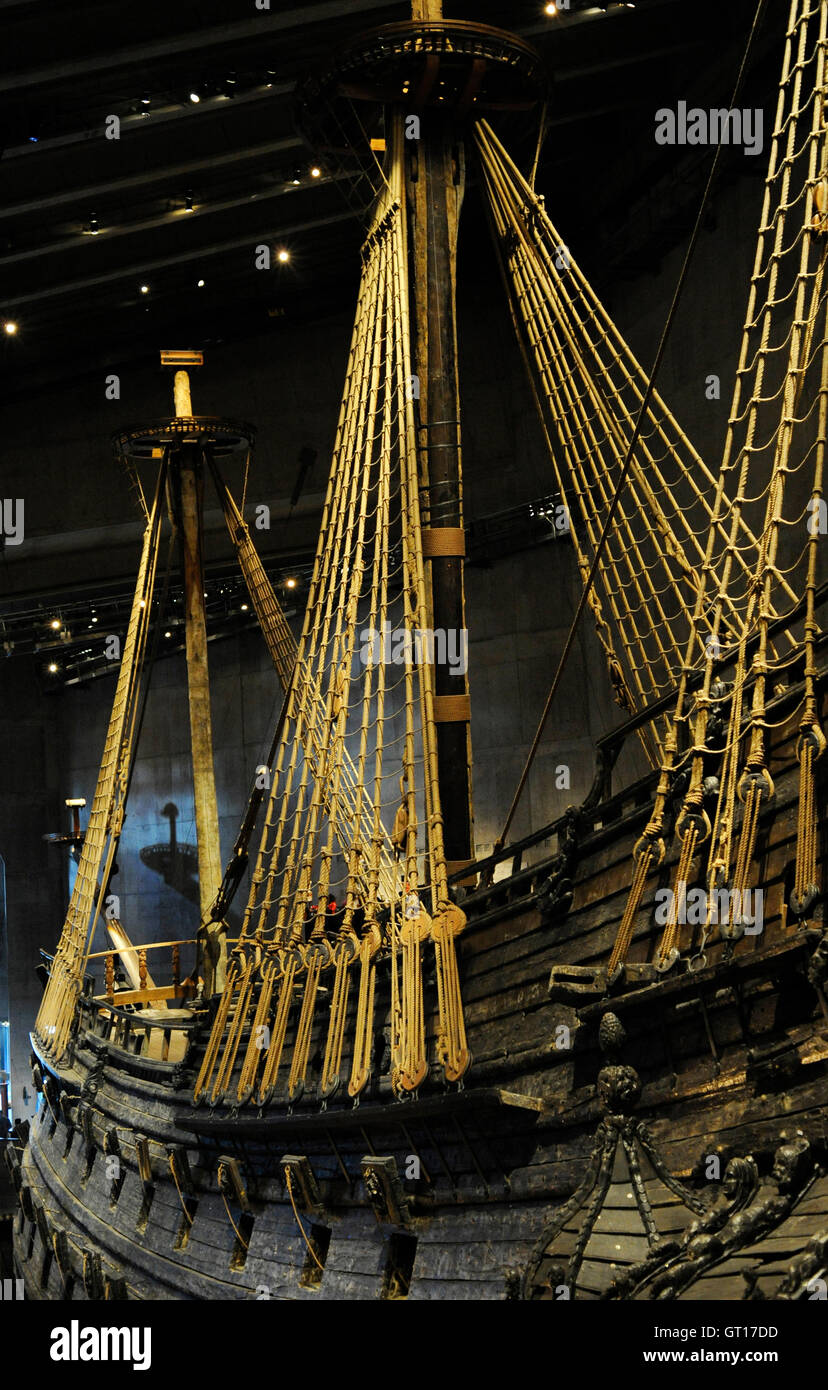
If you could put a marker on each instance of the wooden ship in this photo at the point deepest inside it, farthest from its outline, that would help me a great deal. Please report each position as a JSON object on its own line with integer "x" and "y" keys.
{"x": 595, "y": 1064}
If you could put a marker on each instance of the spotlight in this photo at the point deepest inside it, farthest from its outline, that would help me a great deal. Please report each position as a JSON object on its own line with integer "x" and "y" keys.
{"x": 194, "y": 97}
{"x": 56, "y": 625}
{"x": 145, "y": 100}
{"x": 290, "y": 583}
{"x": 53, "y": 667}
{"x": 94, "y": 620}
{"x": 200, "y": 284}
{"x": 283, "y": 255}
{"x": 244, "y": 607}
{"x": 93, "y": 225}
{"x": 10, "y": 327}
{"x": 145, "y": 289}
{"x": 315, "y": 172}
{"x": 550, "y": 9}
{"x": 168, "y": 634}
{"x": 143, "y": 603}
{"x": 188, "y": 203}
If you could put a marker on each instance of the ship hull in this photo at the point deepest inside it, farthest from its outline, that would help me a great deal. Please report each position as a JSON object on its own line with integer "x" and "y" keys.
{"x": 731, "y": 1059}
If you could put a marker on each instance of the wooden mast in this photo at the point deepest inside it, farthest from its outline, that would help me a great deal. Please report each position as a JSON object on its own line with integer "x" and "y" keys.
{"x": 435, "y": 173}
{"x": 190, "y": 483}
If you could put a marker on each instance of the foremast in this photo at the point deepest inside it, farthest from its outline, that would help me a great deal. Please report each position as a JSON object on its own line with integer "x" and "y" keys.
{"x": 187, "y": 498}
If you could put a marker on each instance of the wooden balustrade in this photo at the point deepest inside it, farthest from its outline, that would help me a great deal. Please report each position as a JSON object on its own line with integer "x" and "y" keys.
{"x": 156, "y": 1038}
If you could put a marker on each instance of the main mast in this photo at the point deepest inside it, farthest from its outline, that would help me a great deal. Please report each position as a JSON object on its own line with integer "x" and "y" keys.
{"x": 438, "y": 74}
{"x": 435, "y": 180}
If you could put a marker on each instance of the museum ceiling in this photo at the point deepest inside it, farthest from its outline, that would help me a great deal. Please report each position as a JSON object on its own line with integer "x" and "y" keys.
{"x": 109, "y": 247}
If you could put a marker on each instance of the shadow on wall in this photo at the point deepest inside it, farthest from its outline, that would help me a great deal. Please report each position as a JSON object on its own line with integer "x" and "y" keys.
{"x": 177, "y": 864}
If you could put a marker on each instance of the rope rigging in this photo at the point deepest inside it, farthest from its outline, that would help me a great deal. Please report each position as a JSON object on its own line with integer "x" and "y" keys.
{"x": 56, "y": 1015}
{"x": 771, "y": 477}
{"x": 331, "y": 889}
{"x": 617, "y": 451}
{"x": 283, "y": 651}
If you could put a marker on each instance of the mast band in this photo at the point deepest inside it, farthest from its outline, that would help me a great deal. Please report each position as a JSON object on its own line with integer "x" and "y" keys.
{"x": 452, "y": 709}
{"x": 445, "y": 541}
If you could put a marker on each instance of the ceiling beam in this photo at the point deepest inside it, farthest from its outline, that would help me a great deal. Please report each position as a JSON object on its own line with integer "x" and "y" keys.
{"x": 93, "y": 192}
{"x": 147, "y": 122}
{"x": 136, "y": 271}
{"x": 258, "y": 29}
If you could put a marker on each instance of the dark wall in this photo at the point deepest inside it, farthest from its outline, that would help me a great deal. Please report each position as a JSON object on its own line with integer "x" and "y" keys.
{"x": 31, "y": 806}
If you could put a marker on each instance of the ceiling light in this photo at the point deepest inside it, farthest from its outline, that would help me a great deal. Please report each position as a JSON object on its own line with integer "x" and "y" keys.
{"x": 195, "y": 97}
{"x": 10, "y": 327}
{"x": 284, "y": 255}
{"x": 145, "y": 289}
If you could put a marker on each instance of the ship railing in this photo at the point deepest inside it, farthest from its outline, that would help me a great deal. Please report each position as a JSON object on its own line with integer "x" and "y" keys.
{"x": 158, "y": 1039}
{"x": 138, "y": 1020}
